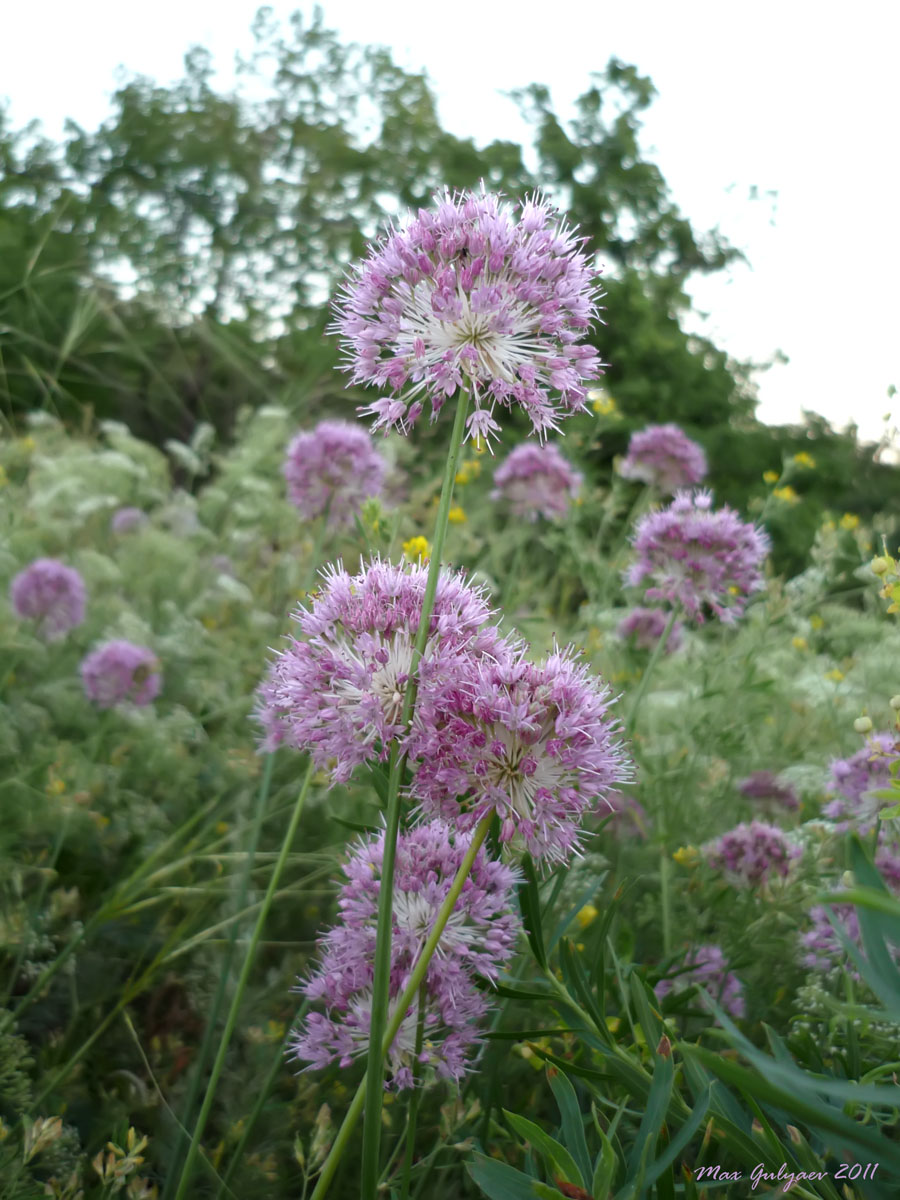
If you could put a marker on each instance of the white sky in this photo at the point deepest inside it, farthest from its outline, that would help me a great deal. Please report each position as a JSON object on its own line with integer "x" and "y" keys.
{"x": 791, "y": 97}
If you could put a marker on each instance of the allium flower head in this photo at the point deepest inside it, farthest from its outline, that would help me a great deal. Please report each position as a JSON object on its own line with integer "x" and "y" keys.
{"x": 478, "y": 939}
{"x": 120, "y": 671}
{"x": 50, "y": 594}
{"x": 664, "y": 457}
{"x": 698, "y": 557}
{"x": 855, "y": 781}
{"x": 645, "y": 626}
{"x": 124, "y": 520}
{"x": 335, "y": 467}
{"x": 533, "y": 742}
{"x": 707, "y": 966}
{"x": 536, "y": 481}
{"x": 472, "y": 294}
{"x": 767, "y": 787}
{"x": 750, "y": 854}
{"x": 338, "y": 690}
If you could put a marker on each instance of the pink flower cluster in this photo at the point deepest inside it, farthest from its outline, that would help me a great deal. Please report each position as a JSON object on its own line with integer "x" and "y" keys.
{"x": 333, "y": 468}
{"x": 766, "y": 787}
{"x": 645, "y": 626}
{"x": 472, "y": 294}
{"x": 750, "y": 854}
{"x": 702, "y": 559}
{"x": 664, "y": 457}
{"x": 120, "y": 671}
{"x": 536, "y": 481}
{"x": 856, "y": 780}
{"x": 533, "y": 742}
{"x": 492, "y": 731}
{"x": 50, "y": 594}
{"x": 338, "y": 690}
{"x": 477, "y": 941}
{"x": 707, "y": 966}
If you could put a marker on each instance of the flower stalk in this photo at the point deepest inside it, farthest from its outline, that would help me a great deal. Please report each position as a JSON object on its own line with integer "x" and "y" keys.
{"x": 381, "y": 980}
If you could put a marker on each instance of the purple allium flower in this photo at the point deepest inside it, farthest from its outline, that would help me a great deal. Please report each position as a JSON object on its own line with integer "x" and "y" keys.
{"x": 51, "y": 594}
{"x": 749, "y": 854}
{"x": 478, "y": 939}
{"x": 335, "y": 467}
{"x": 536, "y": 481}
{"x": 821, "y": 946}
{"x": 858, "y": 778}
{"x": 120, "y": 671}
{"x": 706, "y": 966}
{"x": 766, "y": 786}
{"x": 698, "y": 558}
{"x": 471, "y": 294}
{"x": 664, "y": 457}
{"x": 534, "y": 743}
{"x": 339, "y": 691}
{"x": 645, "y": 626}
{"x": 124, "y": 520}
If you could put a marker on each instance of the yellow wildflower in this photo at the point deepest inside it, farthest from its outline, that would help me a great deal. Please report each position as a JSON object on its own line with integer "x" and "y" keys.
{"x": 770, "y": 476}
{"x": 585, "y": 916}
{"x": 834, "y": 675}
{"x": 603, "y": 404}
{"x": 456, "y": 516}
{"x": 417, "y": 549}
{"x": 687, "y": 856}
{"x": 800, "y": 643}
{"x": 816, "y": 621}
{"x": 849, "y": 521}
{"x": 786, "y": 494}
{"x": 804, "y": 460}
{"x": 28, "y": 444}
{"x": 468, "y": 471}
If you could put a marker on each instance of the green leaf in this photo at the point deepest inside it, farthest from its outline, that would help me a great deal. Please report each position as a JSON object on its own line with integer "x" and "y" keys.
{"x": 650, "y": 1019}
{"x": 604, "y": 1168}
{"x": 572, "y": 1122}
{"x": 557, "y": 1158}
{"x": 530, "y": 903}
{"x": 500, "y": 1181}
{"x": 654, "y": 1115}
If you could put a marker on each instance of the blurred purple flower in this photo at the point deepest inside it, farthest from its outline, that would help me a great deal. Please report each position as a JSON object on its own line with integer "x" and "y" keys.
{"x": 125, "y": 520}
{"x": 766, "y": 786}
{"x": 706, "y": 966}
{"x": 664, "y": 457}
{"x": 856, "y": 779}
{"x": 334, "y": 466}
{"x": 699, "y": 558}
{"x": 749, "y": 854}
{"x": 478, "y": 940}
{"x": 536, "y": 481}
{"x": 644, "y": 627}
{"x": 467, "y": 295}
{"x": 120, "y": 671}
{"x": 50, "y": 594}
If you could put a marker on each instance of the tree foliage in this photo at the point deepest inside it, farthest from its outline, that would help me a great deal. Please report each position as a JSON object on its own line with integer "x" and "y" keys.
{"x": 175, "y": 263}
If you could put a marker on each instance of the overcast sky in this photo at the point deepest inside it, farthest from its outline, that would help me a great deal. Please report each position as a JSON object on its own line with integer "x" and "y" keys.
{"x": 792, "y": 98}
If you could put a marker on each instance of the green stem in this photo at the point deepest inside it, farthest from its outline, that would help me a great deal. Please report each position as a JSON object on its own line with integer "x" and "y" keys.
{"x": 225, "y": 974}
{"x": 414, "y": 1099}
{"x": 401, "y": 1006}
{"x": 231, "y": 1019}
{"x": 318, "y": 543}
{"x": 658, "y": 650}
{"x": 382, "y": 971}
